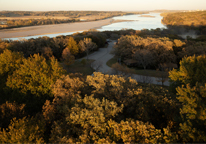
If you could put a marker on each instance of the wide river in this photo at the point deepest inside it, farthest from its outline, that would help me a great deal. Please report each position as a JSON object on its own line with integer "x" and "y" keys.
{"x": 136, "y": 22}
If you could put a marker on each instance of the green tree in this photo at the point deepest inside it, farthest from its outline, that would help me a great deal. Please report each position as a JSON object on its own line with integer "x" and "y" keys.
{"x": 9, "y": 62}
{"x": 191, "y": 90}
{"x": 35, "y": 75}
{"x": 72, "y": 46}
{"x": 98, "y": 37}
{"x": 192, "y": 70}
{"x": 193, "y": 113}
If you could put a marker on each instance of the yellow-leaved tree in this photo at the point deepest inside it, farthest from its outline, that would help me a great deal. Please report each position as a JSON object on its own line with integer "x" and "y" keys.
{"x": 25, "y": 130}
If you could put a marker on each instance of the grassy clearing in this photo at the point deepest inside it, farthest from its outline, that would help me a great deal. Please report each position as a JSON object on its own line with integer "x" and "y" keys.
{"x": 79, "y": 67}
{"x": 152, "y": 73}
{"x": 111, "y": 61}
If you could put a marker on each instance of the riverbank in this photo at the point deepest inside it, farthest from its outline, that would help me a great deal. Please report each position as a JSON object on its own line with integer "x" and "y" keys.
{"x": 52, "y": 29}
{"x": 115, "y": 23}
{"x": 56, "y": 28}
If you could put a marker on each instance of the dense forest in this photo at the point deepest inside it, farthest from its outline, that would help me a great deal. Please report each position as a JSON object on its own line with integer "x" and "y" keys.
{"x": 197, "y": 18}
{"x": 188, "y": 20}
{"x": 32, "y": 22}
{"x": 12, "y": 19}
{"x": 153, "y": 52}
{"x": 41, "y": 102}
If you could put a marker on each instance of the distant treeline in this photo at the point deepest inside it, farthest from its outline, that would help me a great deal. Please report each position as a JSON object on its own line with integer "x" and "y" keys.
{"x": 197, "y": 18}
{"x": 33, "y": 22}
{"x": 189, "y": 20}
{"x": 73, "y": 14}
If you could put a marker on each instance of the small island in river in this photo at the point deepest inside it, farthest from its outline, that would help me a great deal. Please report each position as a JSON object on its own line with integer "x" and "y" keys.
{"x": 147, "y": 16}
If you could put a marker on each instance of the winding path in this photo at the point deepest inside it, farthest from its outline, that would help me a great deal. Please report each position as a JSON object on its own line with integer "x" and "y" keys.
{"x": 103, "y": 55}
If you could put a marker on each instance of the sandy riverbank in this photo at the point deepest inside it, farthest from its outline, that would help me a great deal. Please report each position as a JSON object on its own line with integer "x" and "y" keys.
{"x": 51, "y": 29}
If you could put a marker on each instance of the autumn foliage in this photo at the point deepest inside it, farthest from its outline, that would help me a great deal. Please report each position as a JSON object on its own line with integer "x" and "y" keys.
{"x": 40, "y": 102}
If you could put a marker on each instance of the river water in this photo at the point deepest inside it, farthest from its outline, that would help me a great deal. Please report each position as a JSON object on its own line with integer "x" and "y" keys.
{"x": 136, "y": 22}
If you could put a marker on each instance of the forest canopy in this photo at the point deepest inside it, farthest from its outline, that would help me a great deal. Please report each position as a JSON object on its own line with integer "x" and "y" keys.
{"x": 41, "y": 103}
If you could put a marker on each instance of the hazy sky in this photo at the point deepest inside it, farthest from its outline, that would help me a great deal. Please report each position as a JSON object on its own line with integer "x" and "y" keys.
{"x": 104, "y": 5}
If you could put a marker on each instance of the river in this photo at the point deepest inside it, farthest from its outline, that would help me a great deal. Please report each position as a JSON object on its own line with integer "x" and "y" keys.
{"x": 136, "y": 22}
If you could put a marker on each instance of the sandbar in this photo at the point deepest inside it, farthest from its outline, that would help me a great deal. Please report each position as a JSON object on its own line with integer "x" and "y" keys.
{"x": 147, "y": 16}
{"x": 53, "y": 29}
